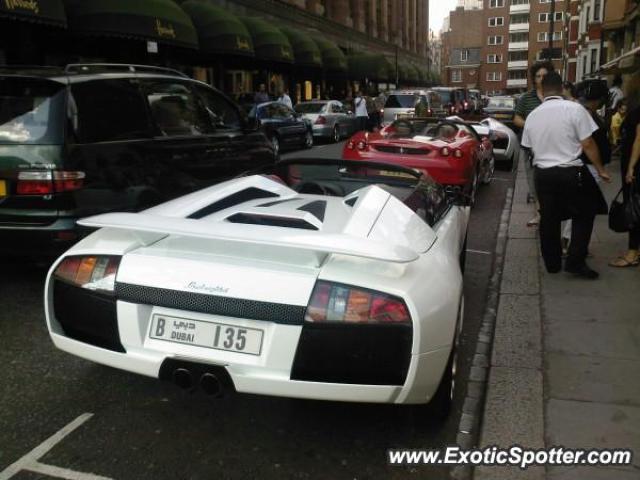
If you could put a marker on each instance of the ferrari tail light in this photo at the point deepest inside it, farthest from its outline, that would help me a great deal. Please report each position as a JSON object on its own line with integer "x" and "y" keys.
{"x": 351, "y": 145}
{"x": 361, "y": 145}
{"x": 457, "y": 153}
{"x": 333, "y": 302}
{"x": 90, "y": 272}
{"x": 45, "y": 182}
{"x": 444, "y": 151}
{"x": 320, "y": 120}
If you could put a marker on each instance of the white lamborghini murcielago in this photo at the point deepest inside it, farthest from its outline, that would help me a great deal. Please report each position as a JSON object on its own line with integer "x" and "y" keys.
{"x": 327, "y": 280}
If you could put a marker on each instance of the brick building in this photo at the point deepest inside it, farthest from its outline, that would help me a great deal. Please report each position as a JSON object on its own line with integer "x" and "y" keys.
{"x": 513, "y": 35}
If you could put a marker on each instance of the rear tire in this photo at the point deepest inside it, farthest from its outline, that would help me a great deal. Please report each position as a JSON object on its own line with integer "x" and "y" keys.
{"x": 336, "y": 134}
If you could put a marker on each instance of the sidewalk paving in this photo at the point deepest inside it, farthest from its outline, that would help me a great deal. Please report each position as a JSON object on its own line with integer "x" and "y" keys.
{"x": 565, "y": 366}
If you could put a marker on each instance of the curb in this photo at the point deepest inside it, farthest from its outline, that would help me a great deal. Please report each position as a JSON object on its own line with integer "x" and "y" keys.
{"x": 469, "y": 427}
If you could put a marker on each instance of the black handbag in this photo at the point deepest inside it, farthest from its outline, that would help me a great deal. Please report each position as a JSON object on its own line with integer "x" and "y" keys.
{"x": 632, "y": 208}
{"x": 617, "y": 221}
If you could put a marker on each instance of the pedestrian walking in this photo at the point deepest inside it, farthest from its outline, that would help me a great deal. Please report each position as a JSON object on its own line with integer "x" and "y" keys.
{"x": 615, "y": 94}
{"x": 261, "y": 95}
{"x": 630, "y": 170}
{"x": 592, "y": 94}
{"x": 285, "y": 98}
{"x": 421, "y": 108}
{"x": 360, "y": 105}
{"x": 616, "y": 124}
{"x": 557, "y": 132}
{"x": 527, "y": 104}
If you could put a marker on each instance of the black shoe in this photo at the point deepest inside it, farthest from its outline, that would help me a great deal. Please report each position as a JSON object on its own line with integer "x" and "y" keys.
{"x": 582, "y": 271}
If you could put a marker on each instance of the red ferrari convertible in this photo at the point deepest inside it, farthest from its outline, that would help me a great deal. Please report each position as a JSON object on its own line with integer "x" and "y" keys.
{"x": 452, "y": 152}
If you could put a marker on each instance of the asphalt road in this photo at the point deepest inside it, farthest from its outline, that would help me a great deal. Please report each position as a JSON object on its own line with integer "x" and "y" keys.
{"x": 143, "y": 429}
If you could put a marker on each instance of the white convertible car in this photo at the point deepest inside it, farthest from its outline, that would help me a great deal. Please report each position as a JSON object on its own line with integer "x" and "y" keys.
{"x": 331, "y": 280}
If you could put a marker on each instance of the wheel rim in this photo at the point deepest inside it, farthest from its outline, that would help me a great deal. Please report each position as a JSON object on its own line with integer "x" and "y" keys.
{"x": 309, "y": 140}
{"x": 276, "y": 145}
{"x": 336, "y": 134}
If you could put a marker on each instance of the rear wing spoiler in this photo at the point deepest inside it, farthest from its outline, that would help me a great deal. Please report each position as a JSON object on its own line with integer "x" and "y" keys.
{"x": 318, "y": 242}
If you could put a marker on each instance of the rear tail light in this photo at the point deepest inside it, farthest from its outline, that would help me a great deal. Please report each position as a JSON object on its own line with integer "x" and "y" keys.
{"x": 320, "y": 120}
{"x": 457, "y": 153}
{"x": 332, "y": 302}
{"x": 361, "y": 145}
{"x": 444, "y": 151}
{"x": 46, "y": 182}
{"x": 351, "y": 145}
{"x": 90, "y": 272}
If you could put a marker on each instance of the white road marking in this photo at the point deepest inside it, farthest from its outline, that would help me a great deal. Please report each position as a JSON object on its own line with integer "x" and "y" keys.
{"x": 30, "y": 460}
{"x": 481, "y": 252}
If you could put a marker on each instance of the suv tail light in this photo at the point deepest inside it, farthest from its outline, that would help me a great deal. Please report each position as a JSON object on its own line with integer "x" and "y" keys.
{"x": 46, "y": 182}
{"x": 90, "y": 272}
{"x": 361, "y": 145}
{"x": 320, "y": 120}
{"x": 333, "y": 302}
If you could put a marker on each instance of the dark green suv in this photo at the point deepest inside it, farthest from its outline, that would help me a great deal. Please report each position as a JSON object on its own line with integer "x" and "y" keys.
{"x": 95, "y": 138}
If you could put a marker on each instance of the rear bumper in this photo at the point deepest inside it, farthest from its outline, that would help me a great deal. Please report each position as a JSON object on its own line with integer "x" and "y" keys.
{"x": 51, "y": 239}
{"x": 422, "y": 381}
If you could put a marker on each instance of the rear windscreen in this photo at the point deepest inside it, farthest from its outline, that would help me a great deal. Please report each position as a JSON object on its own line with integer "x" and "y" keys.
{"x": 506, "y": 103}
{"x": 445, "y": 96}
{"x": 401, "y": 101}
{"x": 309, "y": 107}
{"x": 31, "y": 111}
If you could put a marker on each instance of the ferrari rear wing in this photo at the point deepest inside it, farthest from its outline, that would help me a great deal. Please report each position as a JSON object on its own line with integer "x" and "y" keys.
{"x": 319, "y": 242}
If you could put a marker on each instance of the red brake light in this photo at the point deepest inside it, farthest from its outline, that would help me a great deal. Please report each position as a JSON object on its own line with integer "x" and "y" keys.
{"x": 320, "y": 120}
{"x": 91, "y": 272}
{"x": 361, "y": 145}
{"x": 457, "y": 153}
{"x": 331, "y": 302}
{"x": 444, "y": 151}
{"x": 46, "y": 182}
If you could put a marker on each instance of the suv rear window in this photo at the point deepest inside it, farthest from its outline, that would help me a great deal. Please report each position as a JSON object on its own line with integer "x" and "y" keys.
{"x": 401, "y": 101}
{"x": 108, "y": 110}
{"x": 31, "y": 111}
{"x": 445, "y": 96}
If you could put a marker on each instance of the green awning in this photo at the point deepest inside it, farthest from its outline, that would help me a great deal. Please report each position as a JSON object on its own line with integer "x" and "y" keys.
{"x": 219, "y": 31}
{"x": 305, "y": 50}
{"x": 162, "y": 21}
{"x": 40, "y": 11}
{"x": 269, "y": 43}
{"x": 371, "y": 66}
{"x": 333, "y": 59}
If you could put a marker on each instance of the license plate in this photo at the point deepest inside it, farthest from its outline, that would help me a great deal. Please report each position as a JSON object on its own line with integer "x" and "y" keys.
{"x": 390, "y": 173}
{"x": 3, "y": 188}
{"x": 503, "y": 115}
{"x": 219, "y": 336}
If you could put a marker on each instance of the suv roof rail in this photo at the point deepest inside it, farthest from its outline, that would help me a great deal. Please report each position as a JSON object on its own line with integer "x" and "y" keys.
{"x": 122, "y": 67}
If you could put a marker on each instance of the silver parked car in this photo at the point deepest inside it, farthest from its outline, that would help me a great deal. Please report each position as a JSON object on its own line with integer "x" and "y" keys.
{"x": 402, "y": 103}
{"x": 329, "y": 118}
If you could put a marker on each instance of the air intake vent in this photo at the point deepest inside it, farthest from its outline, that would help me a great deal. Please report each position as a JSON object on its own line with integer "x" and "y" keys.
{"x": 233, "y": 199}
{"x": 316, "y": 209}
{"x": 352, "y": 201}
{"x": 271, "y": 221}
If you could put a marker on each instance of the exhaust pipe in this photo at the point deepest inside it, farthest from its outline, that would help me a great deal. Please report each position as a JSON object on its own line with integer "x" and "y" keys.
{"x": 210, "y": 385}
{"x": 183, "y": 378}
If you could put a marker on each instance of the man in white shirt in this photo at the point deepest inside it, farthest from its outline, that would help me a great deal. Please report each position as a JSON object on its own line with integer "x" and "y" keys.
{"x": 360, "y": 104}
{"x": 285, "y": 98}
{"x": 557, "y": 132}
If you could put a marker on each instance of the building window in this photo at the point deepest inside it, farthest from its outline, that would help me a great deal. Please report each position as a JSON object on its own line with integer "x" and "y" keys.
{"x": 594, "y": 60}
{"x": 494, "y": 58}
{"x": 456, "y": 76}
{"x": 494, "y": 76}
{"x": 496, "y": 3}
{"x": 464, "y": 55}
{"x": 545, "y": 1}
{"x": 517, "y": 75}
{"x": 556, "y": 54}
{"x": 596, "y": 10}
{"x": 544, "y": 36}
{"x": 496, "y": 21}
{"x": 520, "y": 18}
{"x": 519, "y": 2}
{"x": 495, "y": 40}
{"x": 546, "y": 17}
{"x": 518, "y": 37}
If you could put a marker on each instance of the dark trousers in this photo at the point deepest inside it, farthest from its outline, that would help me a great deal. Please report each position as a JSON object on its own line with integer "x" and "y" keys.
{"x": 634, "y": 234}
{"x": 560, "y": 196}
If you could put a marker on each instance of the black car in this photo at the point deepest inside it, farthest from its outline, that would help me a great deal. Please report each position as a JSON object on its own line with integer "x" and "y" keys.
{"x": 284, "y": 127}
{"x": 88, "y": 139}
{"x": 501, "y": 108}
